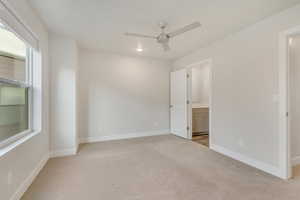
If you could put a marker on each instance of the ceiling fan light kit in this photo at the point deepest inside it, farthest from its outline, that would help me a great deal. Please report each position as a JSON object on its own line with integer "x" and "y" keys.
{"x": 164, "y": 38}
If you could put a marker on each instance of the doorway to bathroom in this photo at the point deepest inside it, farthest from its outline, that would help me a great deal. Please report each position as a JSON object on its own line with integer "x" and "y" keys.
{"x": 190, "y": 105}
{"x": 200, "y": 101}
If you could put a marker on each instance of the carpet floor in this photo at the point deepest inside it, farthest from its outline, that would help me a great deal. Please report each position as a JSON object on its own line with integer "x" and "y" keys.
{"x": 155, "y": 168}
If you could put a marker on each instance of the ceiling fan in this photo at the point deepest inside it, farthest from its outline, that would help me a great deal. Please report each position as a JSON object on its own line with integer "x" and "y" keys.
{"x": 163, "y": 38}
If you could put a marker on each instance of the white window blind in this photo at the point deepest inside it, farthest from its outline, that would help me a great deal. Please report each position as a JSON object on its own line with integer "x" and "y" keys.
{"x": 7, "y": 17}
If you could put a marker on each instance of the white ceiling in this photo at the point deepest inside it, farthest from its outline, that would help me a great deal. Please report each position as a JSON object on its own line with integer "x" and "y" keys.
{"x": 100, "y": 24}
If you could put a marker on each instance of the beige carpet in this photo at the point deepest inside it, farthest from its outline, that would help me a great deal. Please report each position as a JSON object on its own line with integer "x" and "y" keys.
{"x": 155, "y": 168}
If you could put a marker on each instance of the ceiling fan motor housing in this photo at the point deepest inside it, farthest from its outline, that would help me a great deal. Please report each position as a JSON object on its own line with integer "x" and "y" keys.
{"x": 163, "y": 38}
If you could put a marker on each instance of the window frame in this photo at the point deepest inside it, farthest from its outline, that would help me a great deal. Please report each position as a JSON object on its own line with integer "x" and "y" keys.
{"x": 28, "y": 84}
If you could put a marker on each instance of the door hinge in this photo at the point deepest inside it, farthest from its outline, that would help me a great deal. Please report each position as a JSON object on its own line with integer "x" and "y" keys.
{"x": 187, "y": 75}
{"x": 187, "y": 102}
{"x": 287, "y": 114}
{"x": 188, "y": 128}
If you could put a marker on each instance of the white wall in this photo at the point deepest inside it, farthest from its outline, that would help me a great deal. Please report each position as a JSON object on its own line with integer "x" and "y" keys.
{"x": 295, "y": 97}
{"x": 200, "y": 85}
{"x": 64, "y": 64}
{"x": 18, "y": 164}
{"x": 245, "y": 87}
{"x": 121, "y": 96}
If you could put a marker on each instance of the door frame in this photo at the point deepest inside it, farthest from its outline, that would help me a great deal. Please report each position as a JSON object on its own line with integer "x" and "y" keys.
{"x": 285, "y": 160}
{"x": 208, "y": 61}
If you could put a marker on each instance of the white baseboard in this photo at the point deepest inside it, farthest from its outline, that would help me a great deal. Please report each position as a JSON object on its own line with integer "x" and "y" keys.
{"x": 64, "y": 152}
{"x": 124, "y": 136}
{"x": 296, "y": 161}
{"x": 28, "y": 181}
{"x": 249, "y": 161}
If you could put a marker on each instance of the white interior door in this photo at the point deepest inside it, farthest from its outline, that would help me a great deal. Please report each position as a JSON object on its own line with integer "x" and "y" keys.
{"x": 178, "y": 107}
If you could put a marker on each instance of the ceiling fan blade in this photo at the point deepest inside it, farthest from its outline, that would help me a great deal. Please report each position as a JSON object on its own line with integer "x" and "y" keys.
{"x": 140, "y": 35}
{"x": 184, "y": 29}
{"x": 166, "y": 47}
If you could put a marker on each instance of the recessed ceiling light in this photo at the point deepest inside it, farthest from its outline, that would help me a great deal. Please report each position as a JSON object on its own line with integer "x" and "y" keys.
{"x": 139, "y": 49}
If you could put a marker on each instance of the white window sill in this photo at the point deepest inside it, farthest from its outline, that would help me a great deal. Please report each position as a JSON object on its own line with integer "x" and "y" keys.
{"x": 21, "y": 138}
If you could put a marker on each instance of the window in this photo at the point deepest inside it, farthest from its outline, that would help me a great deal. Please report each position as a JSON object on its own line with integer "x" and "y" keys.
{"x": 15, "y": 86}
